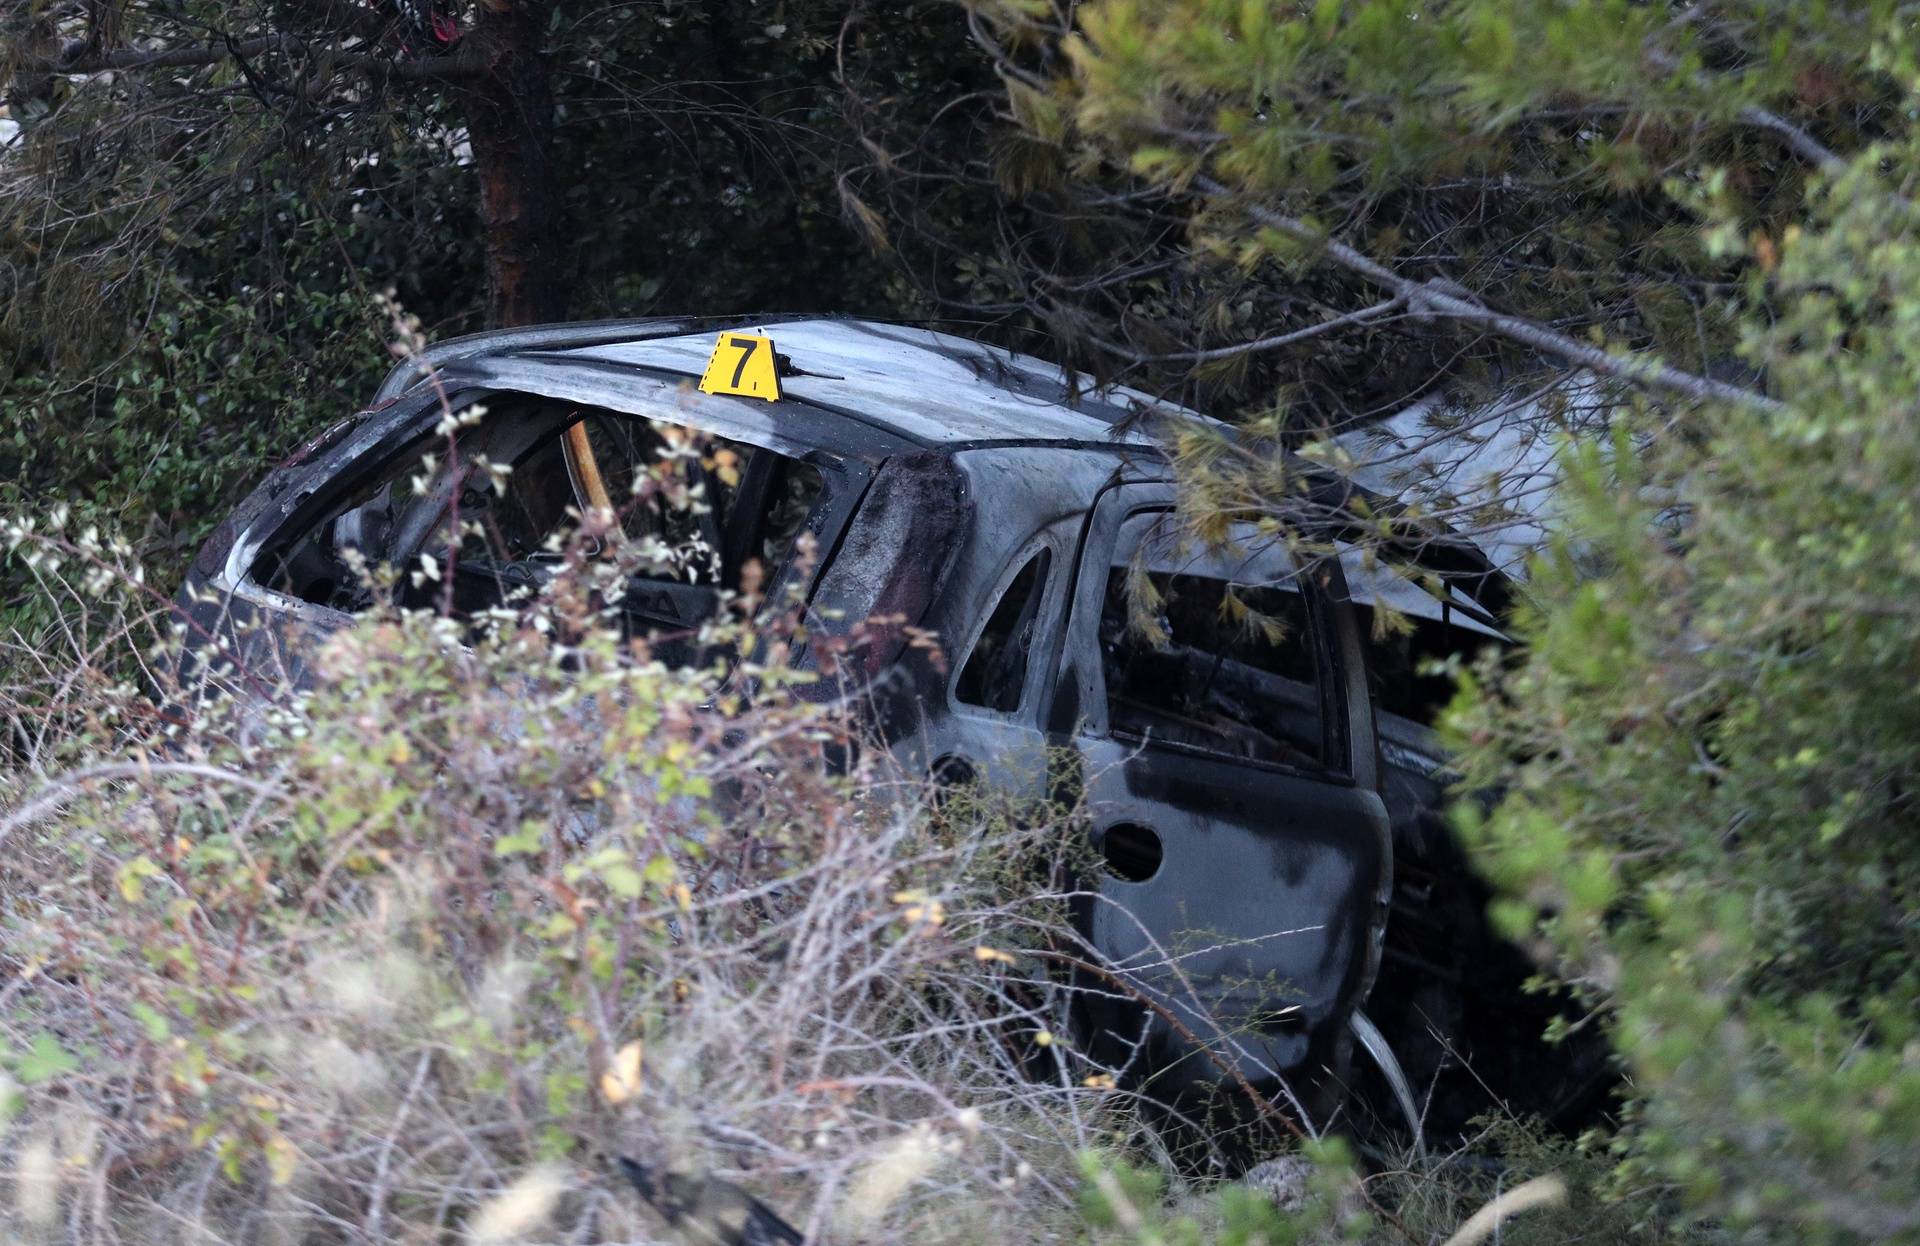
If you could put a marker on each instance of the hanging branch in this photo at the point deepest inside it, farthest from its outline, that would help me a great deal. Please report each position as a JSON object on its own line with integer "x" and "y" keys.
{"x": 1450, "y": 301}
{"x": 1361, "y": 316}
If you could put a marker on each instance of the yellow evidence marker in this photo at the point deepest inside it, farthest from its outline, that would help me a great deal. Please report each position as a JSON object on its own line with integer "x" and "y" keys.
{"x": 743, "y": 364}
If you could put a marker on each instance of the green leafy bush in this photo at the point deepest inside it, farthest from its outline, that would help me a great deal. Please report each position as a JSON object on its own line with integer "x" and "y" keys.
{"x": 1711, "y": 748}
{"x": 157, "y": 432}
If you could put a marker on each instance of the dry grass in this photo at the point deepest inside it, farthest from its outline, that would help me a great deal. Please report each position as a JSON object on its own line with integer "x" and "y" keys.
{"x": 409, "y": 955}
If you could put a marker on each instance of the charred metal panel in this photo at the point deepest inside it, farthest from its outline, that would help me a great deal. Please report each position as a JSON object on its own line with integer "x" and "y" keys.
{"x": 792, "y": 426}
{"x": 411, "y": 372}
{"x": 268, "y": 651}
{"x": 925, "y": 386}
{"x": 1251, "y": 925}
{"x": 1031, "y": 497}
{"x": 321, "y": 441}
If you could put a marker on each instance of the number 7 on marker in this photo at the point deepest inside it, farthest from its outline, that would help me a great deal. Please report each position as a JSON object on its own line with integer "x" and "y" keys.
{"x": 742, "y": 364}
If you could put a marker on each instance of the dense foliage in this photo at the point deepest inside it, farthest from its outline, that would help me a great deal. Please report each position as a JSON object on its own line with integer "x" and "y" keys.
{"x": 1519, "y": 154}
{"x": 194, "y": 255}
{"x": 414, "y": 954}
{"x": 1712, "y": 747}
{"x": 1689, "y": 231}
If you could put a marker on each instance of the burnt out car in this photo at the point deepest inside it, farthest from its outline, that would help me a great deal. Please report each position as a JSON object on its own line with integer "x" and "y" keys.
{"x": 1262, "y": 812}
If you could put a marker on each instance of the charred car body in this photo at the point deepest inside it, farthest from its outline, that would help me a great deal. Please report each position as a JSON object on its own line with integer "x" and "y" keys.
{"x": 1264, "y": 814}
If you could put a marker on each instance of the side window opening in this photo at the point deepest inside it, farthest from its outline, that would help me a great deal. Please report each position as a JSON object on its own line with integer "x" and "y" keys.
{"x": 995, "y": 672}
{"x": 1212, "y": 652}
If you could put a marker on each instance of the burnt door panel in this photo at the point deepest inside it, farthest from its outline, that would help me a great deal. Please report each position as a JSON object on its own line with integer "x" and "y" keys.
{"x": 1225, "y": 752}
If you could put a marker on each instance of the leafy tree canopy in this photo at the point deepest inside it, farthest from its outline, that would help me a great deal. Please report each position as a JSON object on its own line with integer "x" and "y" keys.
{"x": 1172, "y": 181}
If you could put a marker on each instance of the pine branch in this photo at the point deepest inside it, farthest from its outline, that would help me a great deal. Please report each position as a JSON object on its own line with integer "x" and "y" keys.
{"x": 1265, "y": 343}
{"x": 1446, "y": 299}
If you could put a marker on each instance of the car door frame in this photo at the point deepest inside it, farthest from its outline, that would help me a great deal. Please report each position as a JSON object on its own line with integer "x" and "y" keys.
{"x": 1006, "y": 748}
{"x": 1077, "y": 715}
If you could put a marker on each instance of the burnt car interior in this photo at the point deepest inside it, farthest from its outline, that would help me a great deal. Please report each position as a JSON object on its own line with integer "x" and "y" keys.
{"x": 1411, "y": 638}
{"x": 995, "y": 671}
{"x": 494, "y": 517}
{"x": 1452, "y": 995}
{"x": 1212, "y": 651}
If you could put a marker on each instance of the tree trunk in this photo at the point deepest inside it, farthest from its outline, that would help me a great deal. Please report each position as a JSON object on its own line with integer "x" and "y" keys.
{"x": 509, "y": 110}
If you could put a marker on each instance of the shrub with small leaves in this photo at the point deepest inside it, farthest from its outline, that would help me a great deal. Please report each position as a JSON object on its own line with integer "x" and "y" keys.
{"x": 1711, "y": 748}
{"x": 487, "y": 904}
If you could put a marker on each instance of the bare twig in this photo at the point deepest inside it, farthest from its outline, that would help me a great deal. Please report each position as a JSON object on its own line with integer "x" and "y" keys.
{"x": 377, "y": 1199}
{"x": 1266, "y": 343}
{"x": 1802, "y": 144}
{"x": 462, "y": 64}
{"x": 72, "y": 785}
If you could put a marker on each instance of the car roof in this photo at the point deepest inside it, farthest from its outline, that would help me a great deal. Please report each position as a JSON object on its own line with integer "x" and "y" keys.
{"x": 867, "y": 388}
{"x": 927, "y": 388}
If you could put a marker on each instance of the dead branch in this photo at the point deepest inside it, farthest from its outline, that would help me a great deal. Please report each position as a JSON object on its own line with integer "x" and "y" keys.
{"x": 1266, "y": 343}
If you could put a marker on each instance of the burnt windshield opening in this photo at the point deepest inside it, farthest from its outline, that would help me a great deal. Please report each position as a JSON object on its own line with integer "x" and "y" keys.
{"x": 478, "y": 515}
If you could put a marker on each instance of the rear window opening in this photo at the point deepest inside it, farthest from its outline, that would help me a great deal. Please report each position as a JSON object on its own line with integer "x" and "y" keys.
{"x": 488, "y": 525}
{"x": 995, "y": 673}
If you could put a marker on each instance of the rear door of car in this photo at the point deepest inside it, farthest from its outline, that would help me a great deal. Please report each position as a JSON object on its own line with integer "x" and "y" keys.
{"x": 1220, "y": 724}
